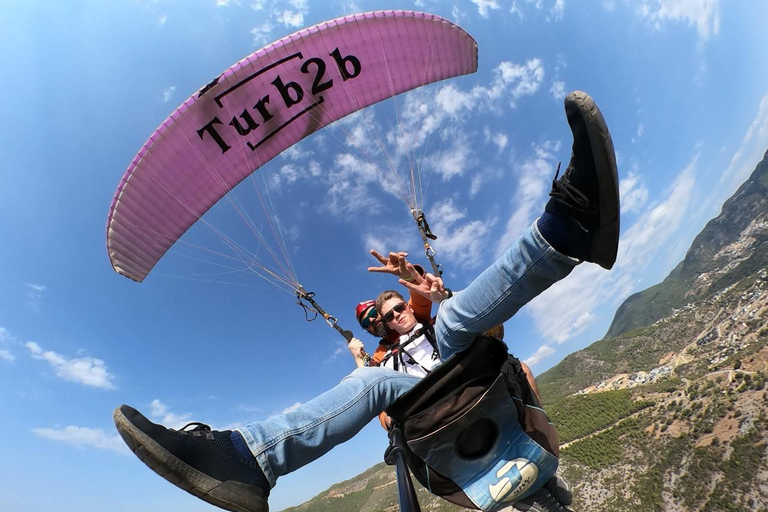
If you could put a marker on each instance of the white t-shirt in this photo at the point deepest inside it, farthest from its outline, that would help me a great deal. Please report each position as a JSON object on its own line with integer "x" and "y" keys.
{"x": 420, "y": 350}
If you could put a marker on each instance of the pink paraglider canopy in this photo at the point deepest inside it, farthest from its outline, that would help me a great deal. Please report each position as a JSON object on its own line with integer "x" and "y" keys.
{"x": 261, "y": 106}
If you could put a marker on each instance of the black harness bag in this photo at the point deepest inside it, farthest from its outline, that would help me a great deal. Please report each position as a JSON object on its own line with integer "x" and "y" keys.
{"x": 475, "y": 434}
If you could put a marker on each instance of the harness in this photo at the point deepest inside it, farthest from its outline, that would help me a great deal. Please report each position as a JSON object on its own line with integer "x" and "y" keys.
{"x": 397, "y": 350}
{"x": 474, "y": 432}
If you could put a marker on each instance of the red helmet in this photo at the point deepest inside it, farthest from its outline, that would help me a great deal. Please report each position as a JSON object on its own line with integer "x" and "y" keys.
{"x": 363, "y": 307}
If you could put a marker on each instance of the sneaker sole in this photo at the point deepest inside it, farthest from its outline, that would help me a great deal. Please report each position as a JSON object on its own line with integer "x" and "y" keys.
{"x": 232, "y": 496}
{"x": 606, "y": 241}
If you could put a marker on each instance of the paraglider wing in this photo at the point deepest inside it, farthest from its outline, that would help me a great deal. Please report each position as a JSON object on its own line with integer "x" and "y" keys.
{"x": 261, "y": 106}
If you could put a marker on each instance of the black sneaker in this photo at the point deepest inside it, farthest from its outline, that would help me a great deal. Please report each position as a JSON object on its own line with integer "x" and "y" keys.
{"x": 547, "y": 499}
{"x": 588, "y": 192}
{"x": 201, "y": 461}
{"x": 561, "y": 489}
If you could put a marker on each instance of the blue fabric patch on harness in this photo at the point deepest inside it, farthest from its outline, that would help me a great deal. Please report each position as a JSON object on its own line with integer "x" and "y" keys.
{"x": 510, "y": 467}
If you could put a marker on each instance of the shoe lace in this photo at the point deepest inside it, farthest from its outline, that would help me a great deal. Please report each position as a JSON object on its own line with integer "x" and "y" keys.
{"x": 567, "y": 194}
{"x": 198, "y": 429}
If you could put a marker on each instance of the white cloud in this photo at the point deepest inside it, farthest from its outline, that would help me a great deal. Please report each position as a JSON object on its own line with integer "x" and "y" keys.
{"x": 341, "y": 348}
{"x": 557, "y": 90}
{"x": 484, "y": 6}
{"x": 287, "y": 410}
{"x": 388, "y": 239}
{"x": 289, "y": 14}
{"x": 565, "y": 309}
{"x": 513, "y": 81}
{"x": 5, "y": 337}
{"x": 353, "y": 7}
{"x": 290, "y": 18}
{"x": 291, "y": 408}
{"x": 425, "y": 138}
{"x": 163, "y": 18}
{"x": 457, "y": 14}
{"x": 749, "y": 153}
{"x": 35, "y": 295}
{"x": 359, "y": 135}
{"x": 543, "y": 352}
{"x": 262, "y": 34}
{"x": 168, "y": 93}
{"x": 289, "y": 173}
{"x": 657, "y": 224}
{"x": 534, "y": 177}
{"x": 425, "y": 121}
{"x": 377, "y": 243}
{"x": 557, "y": 11}
{"x": 452, "y": 100}
{"x": 85, "y": 370}
{"x": 349, "y": 191}
{"x": 704, "y": 14}
{"x": 455, "y": 160}
{"x": 633, "y": 193}
{"x": 315, "y": 169}
{"x": 84, "y": 437}
{"x": 161, "y": 414}
{"x": 463, "y": 244}
{"x": 296, "y": 152}
{"x": 477, "y": 183}
{"x": 499, "y": 139}
{"x": 293, "y": 172}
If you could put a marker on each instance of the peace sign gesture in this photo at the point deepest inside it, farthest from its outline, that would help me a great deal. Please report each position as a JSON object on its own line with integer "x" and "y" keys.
{"x": 427, "y": 285}
{"x": 395, "y": 264}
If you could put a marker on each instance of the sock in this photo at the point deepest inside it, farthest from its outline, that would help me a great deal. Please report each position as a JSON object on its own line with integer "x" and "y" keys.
{"x": 238, "y": 441}
{"x": 555, "y": 229}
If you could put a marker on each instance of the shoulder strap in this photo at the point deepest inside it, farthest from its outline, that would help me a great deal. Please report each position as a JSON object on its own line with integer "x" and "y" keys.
{"x": 399, "y": 348}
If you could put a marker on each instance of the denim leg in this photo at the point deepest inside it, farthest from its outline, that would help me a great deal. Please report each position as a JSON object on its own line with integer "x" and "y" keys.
{"x": 285, "y": 443}
{"x": 526, "y": 269}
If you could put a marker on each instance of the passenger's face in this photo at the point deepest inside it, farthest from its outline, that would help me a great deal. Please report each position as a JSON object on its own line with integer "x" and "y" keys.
{"x": 402, "y": 317}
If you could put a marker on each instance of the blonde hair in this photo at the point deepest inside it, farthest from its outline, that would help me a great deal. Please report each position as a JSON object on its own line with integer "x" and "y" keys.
{"x": 385, "y": 296}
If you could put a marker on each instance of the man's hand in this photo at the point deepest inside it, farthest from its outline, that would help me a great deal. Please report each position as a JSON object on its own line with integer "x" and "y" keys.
{"x": 427, "y": 285}
{"x": 357, "y": 349}
{"x": 395, "y": 264}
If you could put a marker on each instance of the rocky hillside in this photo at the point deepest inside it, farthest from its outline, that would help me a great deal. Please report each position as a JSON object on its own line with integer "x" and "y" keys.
{"x": 669, "y": 412}
{"x": 731, "y": 249}
{"x": 727, "y": 249}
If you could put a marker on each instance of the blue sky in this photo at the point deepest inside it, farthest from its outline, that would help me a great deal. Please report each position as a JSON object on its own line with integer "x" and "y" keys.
{"x": 681, "y": 83}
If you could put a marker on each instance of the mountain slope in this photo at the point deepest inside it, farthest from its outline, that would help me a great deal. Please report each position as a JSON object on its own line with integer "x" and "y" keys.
{"x": 731, "y": 247}
{"x": 713, "y": 253}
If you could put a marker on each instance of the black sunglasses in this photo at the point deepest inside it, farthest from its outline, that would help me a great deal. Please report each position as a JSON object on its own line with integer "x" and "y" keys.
{"x": 399, "y": 307}
{"x": 368, "y": 319}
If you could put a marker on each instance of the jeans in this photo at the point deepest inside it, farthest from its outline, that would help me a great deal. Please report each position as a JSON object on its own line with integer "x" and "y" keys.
{"x": 287, "y": 442}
